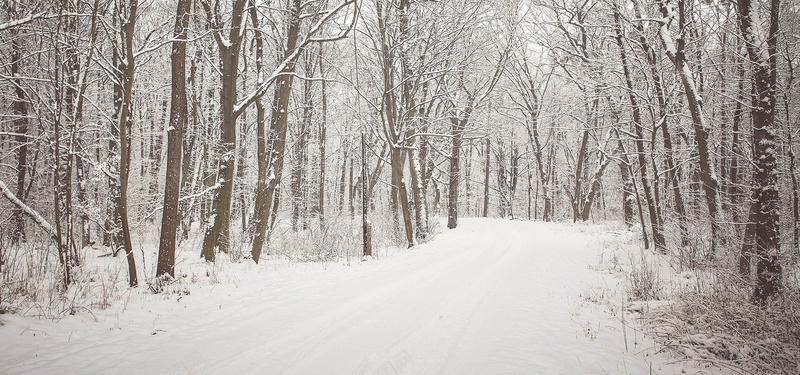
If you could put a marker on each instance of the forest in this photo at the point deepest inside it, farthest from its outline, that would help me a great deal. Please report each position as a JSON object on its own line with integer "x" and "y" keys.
{"x": 135, "y": 131}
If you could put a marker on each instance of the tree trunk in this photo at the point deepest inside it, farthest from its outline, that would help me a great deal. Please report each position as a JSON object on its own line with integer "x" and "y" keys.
{"x": 658, "y": 235}
{"x": 322, "y": 138}
{"x": 343, "y": 176}
{"x": 128, "y": 73}
{"x": 693, "y": 99}
{"x": 578, "y": 178}
{"x": 277, "y": 135}
{"x": 365, "y": 227}
{"x": 156, "y": 141}
{"x": 301, "y": 152}
{"x": 217, "y": 234}
{"x": 177, "y": 123}
{"x": 420, "y": 203}
{"x": 670, "y": 174}
{"x": 792, "y": 163}
{"x": 486, "y": 178}
{"x": 765, "y": 176}
{"x": 20, "y": 109}
{"x": 457, "y": 129}
{"x": 594, "y": 189}
{"x": 190, "y": 137}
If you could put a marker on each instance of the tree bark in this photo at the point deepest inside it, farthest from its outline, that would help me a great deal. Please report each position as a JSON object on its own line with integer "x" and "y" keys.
{"x": 694, "y": 101}
{"x": 301, "y": 151}
{"x": 658, "y": 235}
{"x": 124, "y": 124}
{"x": 322, "y": 138}
{"x": 366, "y": 234}
{"x": 177, "y": 124}
{"x": 420, "y": 203}
{"x": 456, "y": 132}
{"x": 20, "y": 109}
{"x": 277, "y": 134}
{"x": 217, "y": 234}
{"x": 486, "y": 178}
{"x": 670, "y": 174}
{"x": 765, "y": 175}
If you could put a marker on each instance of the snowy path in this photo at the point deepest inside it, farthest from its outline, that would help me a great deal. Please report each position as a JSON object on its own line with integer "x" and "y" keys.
{"x": 491, "y": 297}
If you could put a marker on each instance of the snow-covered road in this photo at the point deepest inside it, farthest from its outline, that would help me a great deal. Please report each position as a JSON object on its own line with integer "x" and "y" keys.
{"x": 490, "y": 297}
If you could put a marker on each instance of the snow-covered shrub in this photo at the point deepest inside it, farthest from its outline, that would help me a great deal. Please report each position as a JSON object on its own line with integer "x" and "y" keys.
{"x": 722, "y": 327}
{"x": 712, "y": 319}
{"x": 169, "y": 286}
{"x": 644, "y": 283}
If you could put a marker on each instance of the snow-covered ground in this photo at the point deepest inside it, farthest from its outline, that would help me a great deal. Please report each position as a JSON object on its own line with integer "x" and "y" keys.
{"x": 490, "y": 297}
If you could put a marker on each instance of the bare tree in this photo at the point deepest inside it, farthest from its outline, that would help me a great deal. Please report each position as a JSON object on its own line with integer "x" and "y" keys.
{"x": 177, "y": 124}
{"x": 762, "y": 50}
{"x": 676, "y": 53}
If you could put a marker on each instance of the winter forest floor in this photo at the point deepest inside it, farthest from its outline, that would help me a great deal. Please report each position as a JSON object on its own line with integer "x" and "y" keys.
{"x": 492, "y": 296}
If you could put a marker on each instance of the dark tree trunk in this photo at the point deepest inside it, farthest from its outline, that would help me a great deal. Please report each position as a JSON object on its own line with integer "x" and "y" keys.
{"x": 486, "y": 178}
{"x": 177, "y": 124}
{"x": 457, "y": 129}
{"x": 366, "y": 234}
{"x": 765, "y": 176}
{"x": 125, "y": 124}
{"x": 217, "y": 234}
{"x": 20, "y": 109}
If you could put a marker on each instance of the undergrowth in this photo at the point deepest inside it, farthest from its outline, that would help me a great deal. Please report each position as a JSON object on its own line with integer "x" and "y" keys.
{"x": 31, "y": 280}
{"x": 710, "y": 317}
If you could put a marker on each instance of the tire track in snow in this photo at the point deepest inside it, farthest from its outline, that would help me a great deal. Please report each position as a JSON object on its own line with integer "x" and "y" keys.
{"x": 492, "y": 296}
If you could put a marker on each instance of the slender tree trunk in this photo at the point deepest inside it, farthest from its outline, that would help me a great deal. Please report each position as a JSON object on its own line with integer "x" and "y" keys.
{"x": 627, "y": 180}
{"x": 530, "y": 181}
{"x": 300, "y": 152}
{"x": 457, "y": 128}
{"x": 670, "y": 174}
{"x": 343, "y": 176}
{"x": 468, "y": 178}
{"x": 795, "y": 198}
{"x": 177, "y": 123}
{"x": 59, "y": 207}
{"x": 578, "y": 178}
{"x": 658, "y": 235}
{"x": 186, "y": 212}
{"x": 241, "y": 161}
{"x": 694, "y": 100}
{"x": 217, "y": 234}
{"x": 155, "y": 148}
{"x": 322, "y": 138}
{"x": 20, "y": 109}
{"x": 277, "y": 132}
{"x": 365, "y": 227}
{"x": 128, "y": 66}
{"x": 594, "y": 189}
{"x": 80, "y": 171}
{"x": 420, "y": 203}
{"x": 486, "y": 179}
{"x": 351, "y": 191}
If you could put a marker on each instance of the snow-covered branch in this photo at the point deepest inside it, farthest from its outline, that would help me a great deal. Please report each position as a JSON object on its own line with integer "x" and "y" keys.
{"x": 309, "y": 38}
{"x": 21, "y": 21}
{"x": 28, "y": 210}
